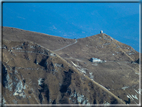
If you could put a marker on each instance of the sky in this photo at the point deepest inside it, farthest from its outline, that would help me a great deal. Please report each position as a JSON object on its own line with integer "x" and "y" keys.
{"x": 76, "y": 20}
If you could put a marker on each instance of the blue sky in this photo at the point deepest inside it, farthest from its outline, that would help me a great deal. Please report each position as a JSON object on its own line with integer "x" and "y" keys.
{"x": 76, "y": 20}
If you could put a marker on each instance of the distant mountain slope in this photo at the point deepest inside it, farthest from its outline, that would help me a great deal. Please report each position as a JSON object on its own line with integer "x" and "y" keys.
{"x": 67, "y": 70}
{"x": 28, "y": 17}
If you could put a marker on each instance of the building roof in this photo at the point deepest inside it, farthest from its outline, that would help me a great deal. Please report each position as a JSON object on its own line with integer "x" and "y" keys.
{"x": 95, "y": 58}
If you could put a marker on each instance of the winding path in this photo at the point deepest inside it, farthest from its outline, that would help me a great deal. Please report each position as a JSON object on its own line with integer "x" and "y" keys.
{"x": 66, "y": 46}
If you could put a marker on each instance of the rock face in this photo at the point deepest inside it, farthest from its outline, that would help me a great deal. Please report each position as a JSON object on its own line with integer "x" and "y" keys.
{"x": 34, "y": 74}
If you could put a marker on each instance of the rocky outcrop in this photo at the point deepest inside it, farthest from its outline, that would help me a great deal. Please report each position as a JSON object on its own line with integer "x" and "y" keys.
{"x": 66, "y": 81}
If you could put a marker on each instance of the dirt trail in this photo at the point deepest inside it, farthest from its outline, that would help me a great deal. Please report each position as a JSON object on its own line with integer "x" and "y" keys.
{"x": 66, "y": 46}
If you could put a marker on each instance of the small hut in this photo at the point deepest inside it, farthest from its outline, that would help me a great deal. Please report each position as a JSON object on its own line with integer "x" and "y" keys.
{"x": 101, "y": 31}
{"x": 95, "y": 60}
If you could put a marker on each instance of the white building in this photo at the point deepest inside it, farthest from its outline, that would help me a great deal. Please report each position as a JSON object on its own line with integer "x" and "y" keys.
{"x": 95, "y": 60}
{"x": 101, "y": 31}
